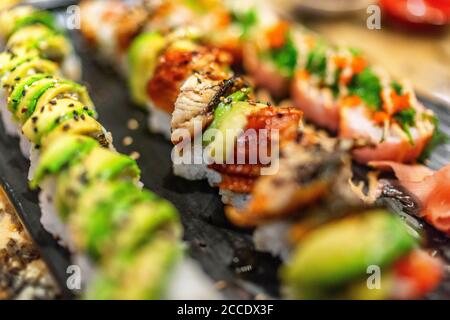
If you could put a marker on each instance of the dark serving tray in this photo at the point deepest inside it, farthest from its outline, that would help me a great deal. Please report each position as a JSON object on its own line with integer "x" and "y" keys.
{"x": 225, "y": 252}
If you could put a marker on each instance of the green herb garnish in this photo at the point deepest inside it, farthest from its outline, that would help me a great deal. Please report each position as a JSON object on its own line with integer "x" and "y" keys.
{"x": 246, "y": 20}
{"x": 406, "y": 118}
{"x": 335, "y": 86}
{"x": 317, "y": 61}
{"x": 397, "y": 88}
{"x": 285, "y": 58}
{"x": 367, "y": 86}
{"x": 436, "y": 140}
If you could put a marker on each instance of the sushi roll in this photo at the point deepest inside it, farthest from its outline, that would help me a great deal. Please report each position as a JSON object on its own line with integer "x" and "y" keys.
{"x": 119, "y": 23}
{"x": 270, "y": 57}
{"x": 187, "y": 78}
{"x": 337, "y": 89}
{"x": 89, "y": 193}
{"x": 25, "y": 28}
{"x": 243, "y": 140}
{"x": 310, "y": 169}
{"x": 113, "y": 29}
{"x": 370, "y": 255}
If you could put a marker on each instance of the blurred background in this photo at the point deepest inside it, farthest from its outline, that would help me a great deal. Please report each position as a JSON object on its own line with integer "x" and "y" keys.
{"x": 412, "y": 40}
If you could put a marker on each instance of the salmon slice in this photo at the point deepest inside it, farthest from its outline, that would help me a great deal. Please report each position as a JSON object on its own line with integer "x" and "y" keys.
{"x": 391, "y": 144}
{"x": 317, "y": 104}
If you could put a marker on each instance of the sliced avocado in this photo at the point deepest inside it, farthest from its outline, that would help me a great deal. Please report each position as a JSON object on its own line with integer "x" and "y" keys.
{"x": 99, "y": 164}
{"x": 65, "y": 88}
{"x": 28, "y": 36}
{"x": 93, "y": 229}
{"x": 340, "y": 253}
{"x": 45, "y": 18}
{"x": 44, "y": 93}
{"x": 144, "y": 222}
{"x": 100, "y": 192}
{"x": 231, "y": 121}
{"x": 8, "y": 18}
{"x": 148, "y": 273}
{"x": 63, "y": 151}
{"x": 103, "y": 287}
{"x": 30, "y": 97}
{"x": 142, "y": 57}
{"x": 142, "y": 276}
{"x": 33, "y": 66}
{"x": 17, "y": 93}
{"x": 86, "y": 126}
{"x": 10, "y": 61}
{"x": 50, "y": 44}
{"x": 224, "y": 106}
{"x": 41, "y": 123}
{"x": 55, "y": 47}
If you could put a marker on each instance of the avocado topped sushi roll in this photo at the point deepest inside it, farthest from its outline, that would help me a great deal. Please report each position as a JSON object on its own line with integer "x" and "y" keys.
{"x": 339, "y": 259}
{"x": 91, "y": 197}
{"x": 25, "y": 28}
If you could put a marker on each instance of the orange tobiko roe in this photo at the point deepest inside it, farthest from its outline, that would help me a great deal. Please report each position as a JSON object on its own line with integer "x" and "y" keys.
{"x": 276, "y": 35}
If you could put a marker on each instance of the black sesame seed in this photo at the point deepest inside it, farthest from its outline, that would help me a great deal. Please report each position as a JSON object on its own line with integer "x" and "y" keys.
{"x": 34, "y": 119}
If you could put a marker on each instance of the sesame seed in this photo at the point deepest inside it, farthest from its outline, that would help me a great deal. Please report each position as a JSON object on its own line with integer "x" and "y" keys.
{"x": 135, "y": 155}
{"x": 133, "y": 124}
{"x": 127, "y": 141}
{"x": 220, "y": 285}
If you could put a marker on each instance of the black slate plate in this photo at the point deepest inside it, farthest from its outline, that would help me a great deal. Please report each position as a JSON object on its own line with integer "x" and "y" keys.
{"x": 225, "y": 253}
